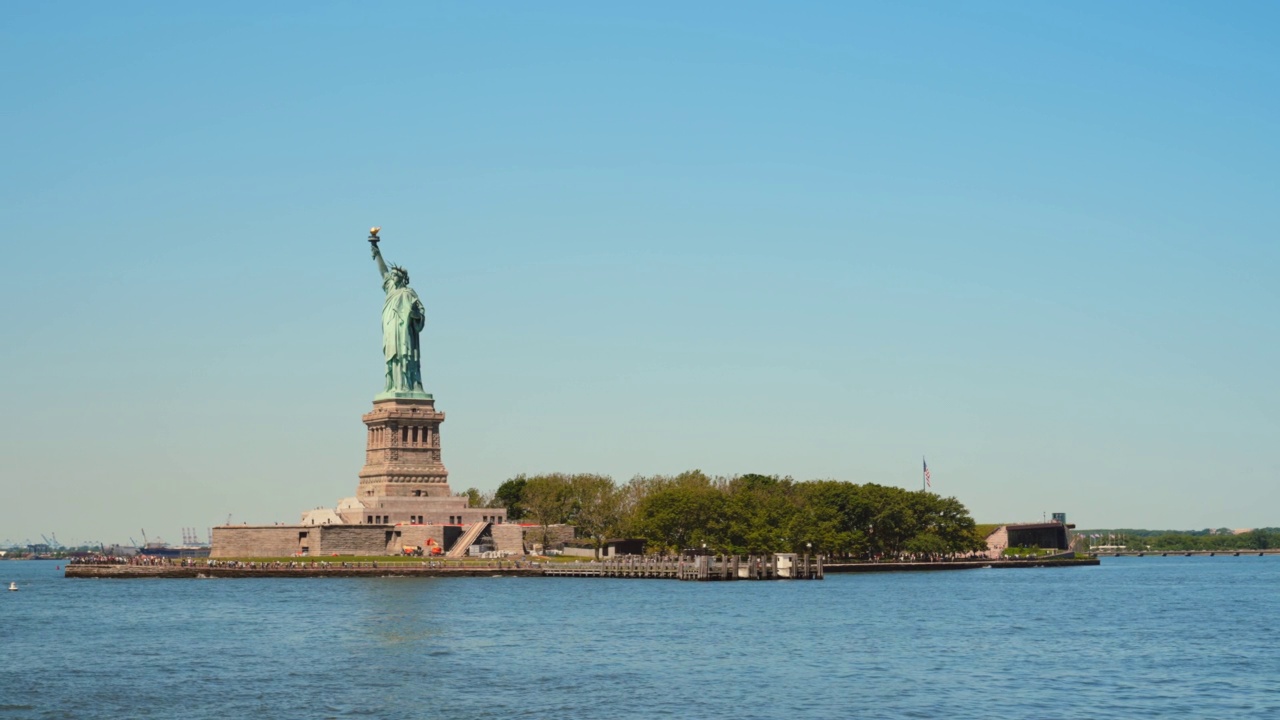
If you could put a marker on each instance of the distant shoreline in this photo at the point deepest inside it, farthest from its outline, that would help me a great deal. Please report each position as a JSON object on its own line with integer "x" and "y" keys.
{"x": 1188, "y": 553}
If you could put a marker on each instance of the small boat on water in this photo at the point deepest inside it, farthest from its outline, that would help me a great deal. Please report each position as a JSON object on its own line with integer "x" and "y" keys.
{"x": 13, "y": 586}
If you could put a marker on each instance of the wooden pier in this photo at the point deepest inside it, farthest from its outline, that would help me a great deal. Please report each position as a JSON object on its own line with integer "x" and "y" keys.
{"x": 703, "y": 568}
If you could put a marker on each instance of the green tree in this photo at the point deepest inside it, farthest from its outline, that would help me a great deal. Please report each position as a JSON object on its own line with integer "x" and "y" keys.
{"x": 477, "y": 499}
{"x": 927, "y": 546}
{"x": 597, "y": 504}
{"x": 548, "y": 500}
{"x": 510, "y": 495}
{"x": 948, "y": 520}
{"x": 757, "y": 516}
{"x": 834, "y": 516}
{"x": 1257, "y": 539}
{"x": 680, "y": 512}
{"x": 893, "y": 519}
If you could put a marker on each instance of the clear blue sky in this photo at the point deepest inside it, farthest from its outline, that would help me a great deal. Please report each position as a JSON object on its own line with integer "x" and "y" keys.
{"x": 1036, "y": 242}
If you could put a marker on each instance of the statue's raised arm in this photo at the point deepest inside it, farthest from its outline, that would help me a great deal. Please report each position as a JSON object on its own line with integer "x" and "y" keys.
{"x": 377, "y": 254}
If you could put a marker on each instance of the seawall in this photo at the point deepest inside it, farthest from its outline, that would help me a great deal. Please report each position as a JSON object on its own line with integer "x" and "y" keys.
{"x": 383, "y": 570}
{"x": 833, "y": 567}
{"x": 415, "y": 570}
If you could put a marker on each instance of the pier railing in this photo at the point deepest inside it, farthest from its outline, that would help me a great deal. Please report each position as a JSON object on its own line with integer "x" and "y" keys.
{"x": 699, "y": 568}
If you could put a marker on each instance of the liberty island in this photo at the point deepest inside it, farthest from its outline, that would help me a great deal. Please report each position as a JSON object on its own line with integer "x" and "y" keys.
{"x": 404, "y": 508}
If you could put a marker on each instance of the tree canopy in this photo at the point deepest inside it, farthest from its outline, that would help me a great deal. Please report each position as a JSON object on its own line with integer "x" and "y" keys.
{"x": 748, "y": 514}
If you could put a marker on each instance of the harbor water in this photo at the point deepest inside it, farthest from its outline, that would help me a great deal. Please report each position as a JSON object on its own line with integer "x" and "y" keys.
{"x": 1133, "y": 637}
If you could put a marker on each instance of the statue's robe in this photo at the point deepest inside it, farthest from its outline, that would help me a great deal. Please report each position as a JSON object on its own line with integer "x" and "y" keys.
{"x": 403, "y": 317}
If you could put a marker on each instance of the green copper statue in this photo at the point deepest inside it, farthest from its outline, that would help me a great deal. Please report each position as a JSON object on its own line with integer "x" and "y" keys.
{"x": 402, "y": 319}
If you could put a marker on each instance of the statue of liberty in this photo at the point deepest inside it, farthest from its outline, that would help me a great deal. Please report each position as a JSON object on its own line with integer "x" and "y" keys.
{"x": 402, "y": 319}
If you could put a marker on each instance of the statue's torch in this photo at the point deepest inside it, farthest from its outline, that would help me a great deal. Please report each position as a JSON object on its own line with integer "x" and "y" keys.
{"x": 373, "y": 237}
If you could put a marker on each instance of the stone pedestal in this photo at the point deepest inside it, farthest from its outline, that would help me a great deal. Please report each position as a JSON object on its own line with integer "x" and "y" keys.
{"x": 403, "y": 482}
{"x": 402, "y": 452}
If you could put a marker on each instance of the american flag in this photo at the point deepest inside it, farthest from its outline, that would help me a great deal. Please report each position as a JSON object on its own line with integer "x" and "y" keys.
{"x": 927, "y": 482}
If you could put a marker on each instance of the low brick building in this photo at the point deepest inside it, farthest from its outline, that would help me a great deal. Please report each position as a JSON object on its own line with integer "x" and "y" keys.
{"x": 287, "y": 540}
{"x": 1054, "y": 535}
{"x": 1049, "y": 535}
